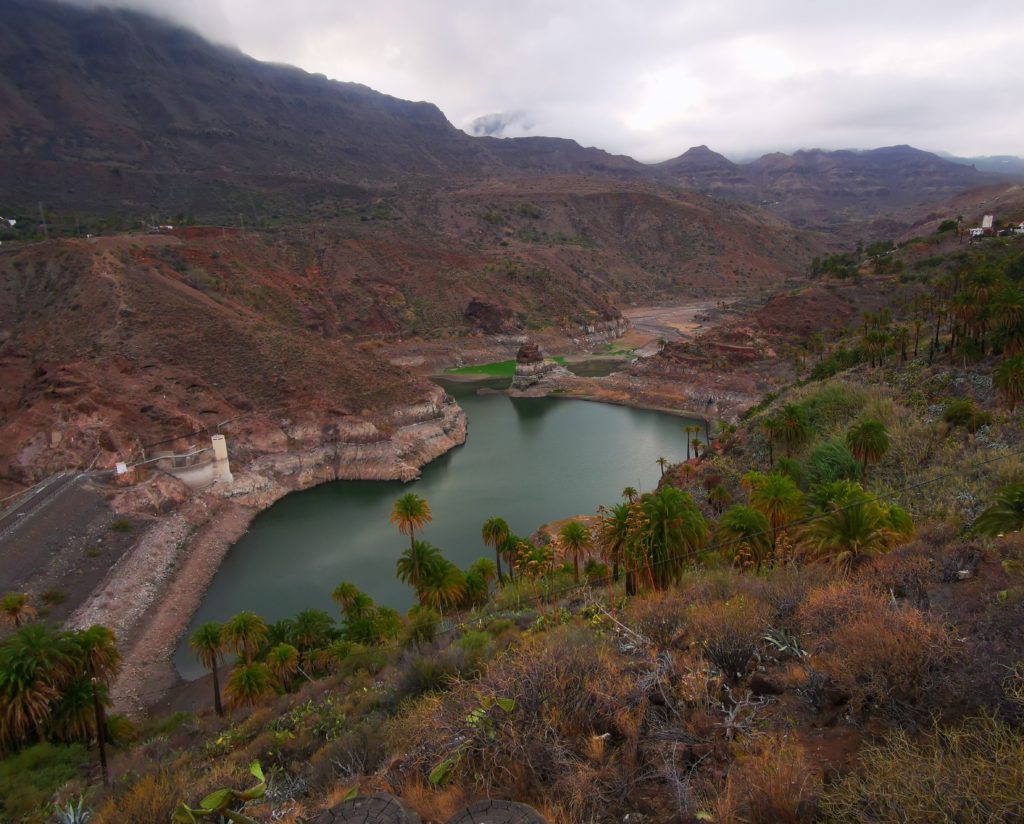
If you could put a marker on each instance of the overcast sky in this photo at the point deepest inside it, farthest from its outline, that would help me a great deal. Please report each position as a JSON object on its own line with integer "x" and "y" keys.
{"x": 650, "y": 78}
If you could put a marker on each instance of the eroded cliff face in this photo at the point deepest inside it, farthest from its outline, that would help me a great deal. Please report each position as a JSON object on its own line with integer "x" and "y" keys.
{"x": 352, "y": 449}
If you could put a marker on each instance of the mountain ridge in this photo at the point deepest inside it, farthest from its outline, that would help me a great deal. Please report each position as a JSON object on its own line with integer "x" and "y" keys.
{"x": 118, "y": 111}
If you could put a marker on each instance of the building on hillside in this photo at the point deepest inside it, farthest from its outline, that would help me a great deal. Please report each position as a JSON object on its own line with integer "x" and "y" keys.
{"x": 988, "y": 224}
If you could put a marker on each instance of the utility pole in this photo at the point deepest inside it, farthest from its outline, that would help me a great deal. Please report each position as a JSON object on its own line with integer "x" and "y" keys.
{"x": 101, "y": 725}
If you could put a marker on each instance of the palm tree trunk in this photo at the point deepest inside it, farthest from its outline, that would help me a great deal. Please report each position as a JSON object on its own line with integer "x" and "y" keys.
{"x": 415, "y": 560}
{"x": 217, "y": 706}
{"x": 615, "y": 571}
{"x": 576, "y": 566}
{"x": 497, "y": 557}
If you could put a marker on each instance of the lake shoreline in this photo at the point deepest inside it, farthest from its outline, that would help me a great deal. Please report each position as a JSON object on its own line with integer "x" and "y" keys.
{"x": 219, "y": 525}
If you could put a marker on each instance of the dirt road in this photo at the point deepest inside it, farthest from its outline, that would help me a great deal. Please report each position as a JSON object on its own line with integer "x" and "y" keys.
{"x": 60, "y": 543}
{"x": 653, "y": 323}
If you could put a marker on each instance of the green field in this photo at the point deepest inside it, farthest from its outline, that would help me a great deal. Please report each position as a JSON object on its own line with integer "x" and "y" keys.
{"x": 498, "y": 369}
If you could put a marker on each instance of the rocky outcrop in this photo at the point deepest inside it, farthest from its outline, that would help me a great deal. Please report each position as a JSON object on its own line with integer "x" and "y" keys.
{"x": 491, "y": 318}
{"x": 601, "y": 331}
{"x": 535, "y": 374}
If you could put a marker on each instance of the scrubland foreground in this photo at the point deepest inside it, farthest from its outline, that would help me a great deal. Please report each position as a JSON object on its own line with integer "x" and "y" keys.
{"x": 820, "y": 619}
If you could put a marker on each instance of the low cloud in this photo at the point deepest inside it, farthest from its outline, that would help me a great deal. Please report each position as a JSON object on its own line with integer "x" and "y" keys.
{"x": 502, "y": 124}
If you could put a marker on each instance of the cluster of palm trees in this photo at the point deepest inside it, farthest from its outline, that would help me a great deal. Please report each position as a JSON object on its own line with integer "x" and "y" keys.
{"x": 980, "y": 310}
{"x": 438, "y": 583}
{"x": 53, "y": 683}
{"x": 651, "y": 537}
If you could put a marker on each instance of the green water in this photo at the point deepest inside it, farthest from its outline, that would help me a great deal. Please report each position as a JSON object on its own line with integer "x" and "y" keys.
{"x": 528, "y": 460}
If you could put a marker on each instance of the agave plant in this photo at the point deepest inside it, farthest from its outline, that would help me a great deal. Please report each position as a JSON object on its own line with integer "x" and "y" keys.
{"x": 218, "y": 803}
{"x": 73, "y": 813}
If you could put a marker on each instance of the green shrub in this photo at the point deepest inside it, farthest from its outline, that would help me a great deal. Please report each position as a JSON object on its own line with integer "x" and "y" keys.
{"x": 965, "y": 412}
{"x": 832, "y": 461}
{"x": 29, "y": 779}
{"x": 833, "y": 405}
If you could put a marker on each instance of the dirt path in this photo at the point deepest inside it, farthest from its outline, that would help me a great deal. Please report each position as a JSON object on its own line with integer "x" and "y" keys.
{"x": 59, "y": 544}
{"x": 138, "y": 603}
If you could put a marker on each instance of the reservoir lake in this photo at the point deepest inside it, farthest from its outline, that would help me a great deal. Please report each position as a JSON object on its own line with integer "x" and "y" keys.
{"x": 528, "y": 460}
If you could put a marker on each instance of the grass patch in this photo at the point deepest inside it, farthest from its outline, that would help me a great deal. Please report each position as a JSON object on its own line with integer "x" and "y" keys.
{"x": 498, "y": 369}
{"x": 53, "y": 597}
{"x": 121, "y": 525}
{"x": 29, "y": 779}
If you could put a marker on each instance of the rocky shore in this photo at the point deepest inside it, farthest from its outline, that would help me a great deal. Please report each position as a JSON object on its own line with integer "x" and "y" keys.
{"x": 149, "y": 597}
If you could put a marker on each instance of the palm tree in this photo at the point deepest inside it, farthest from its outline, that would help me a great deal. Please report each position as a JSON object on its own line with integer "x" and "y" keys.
{"x": 1005, "y": 515}
{"x": 249, "y": 683}
{"x": 495, "y": 533}
{"x": 244, "y": 634}
{"x": 901, "y": 337}
{"x": 313, "y": 629}
{"x": 36, "y": 663}
{"x": 745, "y": 528}
{"x": 478, "y": 577}
{"x": 415, "y": 565}
{"x": 208, "y": 645}
{"x": 1008, "y": 310}
{"x": 409, "y": 513}
{"x": 868, "y": 441}
{"x": 778, "y": 499}
{"x": 1008, "y": 378}
{"x": 851, "y": 531}
{"x": 629, "y": 493}
{"x": 690, "y": 429}
{"x": 535, "y": 561}
{"x": 16, "y": 610}
{"x": 485, "y": 568}
{"x": 97, "y": 653}
{"x": 74, "y": 716}
{"x": 349, "y": 597}
{"x": 770, "y": 429}
{"x": 719, "y": 498}
{"x": 444, "y": 586}
{"x": 283, "y": 663}
{"x": 614, "y": 530}
{"x": 662, "y": 462}
{"x": 793, "y": 427}
{"x": 676, "y": 530}
{"x": 575, "y": 538}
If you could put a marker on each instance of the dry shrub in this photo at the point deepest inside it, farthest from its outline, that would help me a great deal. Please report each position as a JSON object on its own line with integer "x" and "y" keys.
{"x": 887, "y": 656}
{"x": 431, "y": 803}
{"x": 903, "y": 574}
{"x": 152, "y": 798}
{"x": 729, "y": 633}
{"x": 786, "y": 588}
{"x": 708, "y": 585}
{"x": 835, "y": 605}
{"x": 971, "y": 774}
{"x": 773, "y": 785}
{"x": 568, "y": 686}
{"x": 659, "y": 617}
